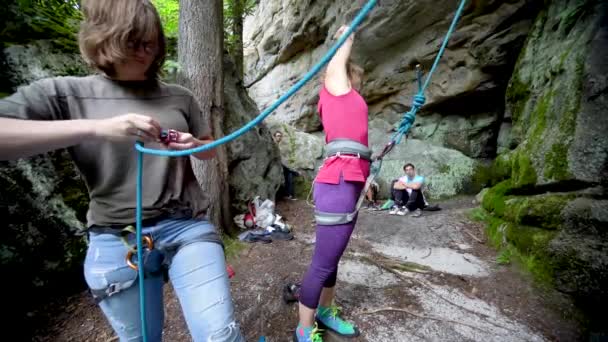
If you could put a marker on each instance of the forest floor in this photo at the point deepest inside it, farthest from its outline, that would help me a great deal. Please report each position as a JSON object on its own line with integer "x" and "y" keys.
{"x": 431, "y": 278}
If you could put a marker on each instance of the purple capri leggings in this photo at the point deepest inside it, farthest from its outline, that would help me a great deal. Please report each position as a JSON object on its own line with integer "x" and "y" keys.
{"x": 331, "y": 241}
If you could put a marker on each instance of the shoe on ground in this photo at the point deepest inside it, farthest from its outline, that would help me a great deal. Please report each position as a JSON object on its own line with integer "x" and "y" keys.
{"x": 417, "y": 213}
{"x": 403, "y": 211}
{"x": 328, "y": 319}
{"x": 394, "y": 210}
{"x": 309, "y": 334}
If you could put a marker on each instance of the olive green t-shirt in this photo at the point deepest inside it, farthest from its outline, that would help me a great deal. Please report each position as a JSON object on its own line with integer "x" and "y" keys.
{"x": 109, "y": 169}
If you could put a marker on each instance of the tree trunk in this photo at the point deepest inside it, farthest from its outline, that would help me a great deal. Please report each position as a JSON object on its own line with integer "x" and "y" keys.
{"x": 237, "y": 31}
{"x": 200, "y": 47}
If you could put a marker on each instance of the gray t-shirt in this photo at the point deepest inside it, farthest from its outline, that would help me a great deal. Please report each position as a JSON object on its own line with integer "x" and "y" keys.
{"x": 109, "y": 169}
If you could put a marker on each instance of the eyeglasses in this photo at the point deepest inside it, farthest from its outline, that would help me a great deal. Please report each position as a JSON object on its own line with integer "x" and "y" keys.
{"x": 149, "y": 47}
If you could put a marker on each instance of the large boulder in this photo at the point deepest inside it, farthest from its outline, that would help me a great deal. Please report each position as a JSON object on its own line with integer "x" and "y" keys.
{"x": 253, "y": 159}
{"x": 475, "y": 135}
{"x": 551, "y": 195}
{"x": 43, "y": 201}
{"x": 302, "y": 152}
{"x": 447, "y": 172}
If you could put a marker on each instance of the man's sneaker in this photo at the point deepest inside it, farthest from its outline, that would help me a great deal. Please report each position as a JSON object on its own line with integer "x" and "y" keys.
{"x": 308, "y": 334}
{"x": 327, "y": 318}
{"x": 403, "y": 211}
{"x": 417, "y": 213}
{"x": 394, "y": 210}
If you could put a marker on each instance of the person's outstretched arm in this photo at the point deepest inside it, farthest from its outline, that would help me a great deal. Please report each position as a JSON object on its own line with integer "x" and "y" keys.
{"x": 336, "y": 76}
{"x": 33, "y": 122}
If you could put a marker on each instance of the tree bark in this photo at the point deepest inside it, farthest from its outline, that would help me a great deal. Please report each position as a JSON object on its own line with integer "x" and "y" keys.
{"x": 200, "y": 47}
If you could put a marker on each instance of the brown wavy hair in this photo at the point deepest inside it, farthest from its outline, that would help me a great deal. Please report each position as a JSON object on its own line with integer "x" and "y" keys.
{"x": 354, "y": 72}
{"x": 109, "y": 25}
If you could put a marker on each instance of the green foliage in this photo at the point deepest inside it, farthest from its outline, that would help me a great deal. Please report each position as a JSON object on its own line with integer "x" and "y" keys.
{"x": 29, "y": 20}
{"x": 232, "y": 247}
{"x": 504, "y": 257}
{"x": 235, "y": 11}
{"x": 169, "y": 15}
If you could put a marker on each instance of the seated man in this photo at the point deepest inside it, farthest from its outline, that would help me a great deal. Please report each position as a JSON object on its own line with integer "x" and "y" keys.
{"x": 407, "y": 193}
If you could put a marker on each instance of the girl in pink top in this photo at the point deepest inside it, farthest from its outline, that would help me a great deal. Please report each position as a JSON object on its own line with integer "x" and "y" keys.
{"x": 336, "y": 189}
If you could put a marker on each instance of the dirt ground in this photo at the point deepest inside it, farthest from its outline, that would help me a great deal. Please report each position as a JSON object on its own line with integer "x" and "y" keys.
{"x": 431, "y": 278}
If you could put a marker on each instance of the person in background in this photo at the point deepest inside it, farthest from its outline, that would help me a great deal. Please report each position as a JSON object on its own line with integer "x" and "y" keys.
{"x": 98, "y": 118}
{"x": 407, "y": 193}
{"x": 288, "y": 173}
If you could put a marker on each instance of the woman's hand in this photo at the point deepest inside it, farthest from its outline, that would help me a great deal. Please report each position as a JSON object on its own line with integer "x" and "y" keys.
{"x": 341, "y": 32}
{"x": 186, "y": 141}
{"x": 128, "y": 127}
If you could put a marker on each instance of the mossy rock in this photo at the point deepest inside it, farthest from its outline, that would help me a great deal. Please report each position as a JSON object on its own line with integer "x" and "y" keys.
{"x": 487, "y": 175}
{"x": 527, "y": 246}
{"x": 302, "y": 187}
{"x": 555, "y": 123}
{"x": 543, "y": 211}
{"x": 494, "y": 199}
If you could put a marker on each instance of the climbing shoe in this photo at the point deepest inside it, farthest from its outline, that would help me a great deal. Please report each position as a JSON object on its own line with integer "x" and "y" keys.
{"x": 307, "y": 334}
{"x": 327, "y": 318}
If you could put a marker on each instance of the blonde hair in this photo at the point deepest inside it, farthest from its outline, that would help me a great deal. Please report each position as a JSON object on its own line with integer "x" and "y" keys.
{"x": 108, "y": 27}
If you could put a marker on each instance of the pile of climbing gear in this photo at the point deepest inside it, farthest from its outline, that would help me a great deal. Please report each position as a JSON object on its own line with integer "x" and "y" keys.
{"x": 261, "y": 224}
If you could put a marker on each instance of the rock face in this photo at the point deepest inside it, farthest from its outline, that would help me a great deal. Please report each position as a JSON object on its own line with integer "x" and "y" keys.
{"x": 295, "y": 34}
{"x": 39, "y": 60}
{"x": 254, "y": 159}
{"x": 557, "y": 99}
{"x": 465, "y": 98}
{"x": 300, "y": 151}
{"x": 43, "y": 201}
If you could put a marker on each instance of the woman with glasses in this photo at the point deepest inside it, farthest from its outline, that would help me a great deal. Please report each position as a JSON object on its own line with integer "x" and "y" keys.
{"x": 98, "y": 118}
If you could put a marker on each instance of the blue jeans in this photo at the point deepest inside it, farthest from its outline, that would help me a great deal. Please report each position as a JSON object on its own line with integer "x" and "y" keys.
{"x": 197, "y": 270}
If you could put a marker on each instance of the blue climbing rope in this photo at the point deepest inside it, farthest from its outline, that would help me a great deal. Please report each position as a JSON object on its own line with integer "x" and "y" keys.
{"x": 307, "y": 77}
{"x": 141, "y": 149}
{"x": 407, "y": 121}
{"x": 419, "y": 98}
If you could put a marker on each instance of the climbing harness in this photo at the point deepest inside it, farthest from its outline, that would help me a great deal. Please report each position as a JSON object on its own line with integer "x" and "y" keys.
{"x": 139, "y": 146}
{"x": 341, "y": 147}
{"x": 155, "y": 260}
{"x": 121, "y": 279}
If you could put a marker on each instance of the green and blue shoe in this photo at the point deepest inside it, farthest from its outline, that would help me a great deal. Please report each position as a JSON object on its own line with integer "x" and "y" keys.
{"x": 307, "y": 334}
{"x": 327, "y": 318}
